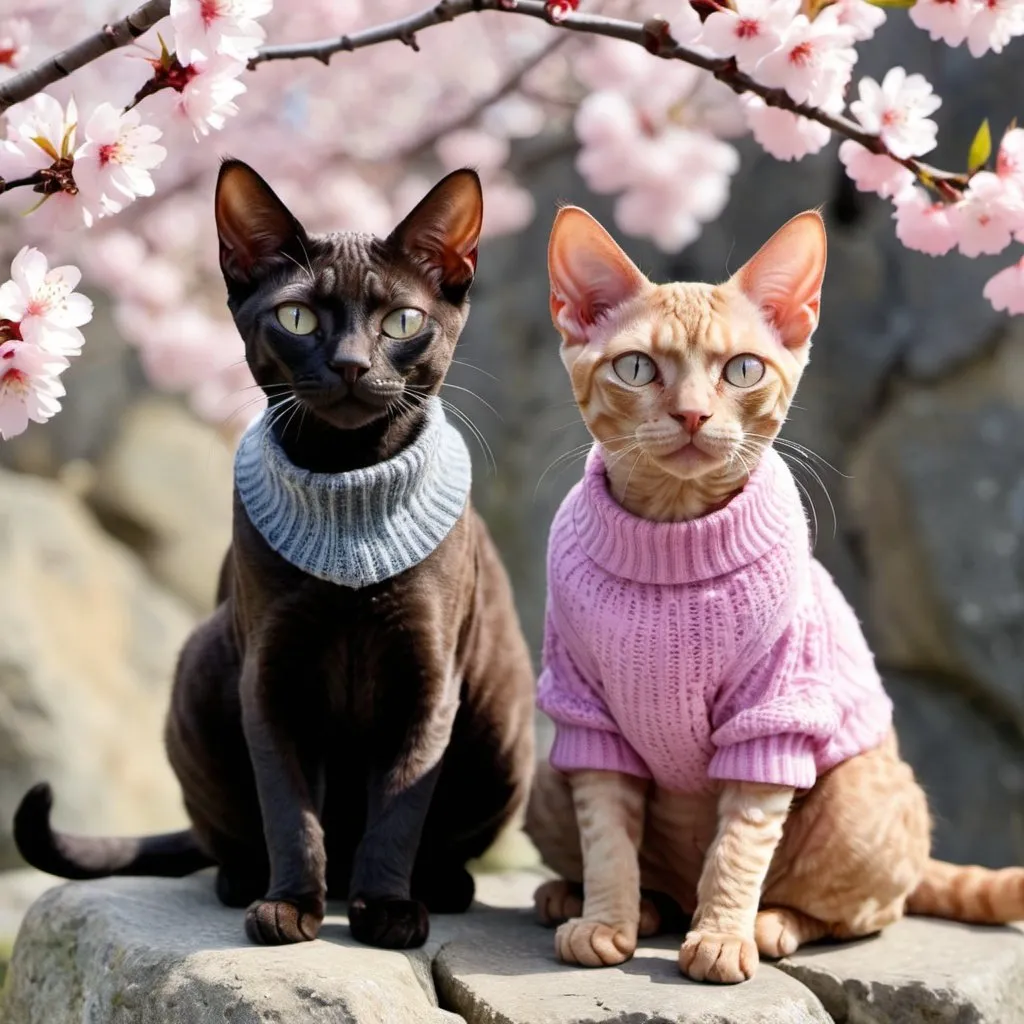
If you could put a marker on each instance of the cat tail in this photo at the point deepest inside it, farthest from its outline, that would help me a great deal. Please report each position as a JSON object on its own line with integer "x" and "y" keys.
{"x": 170, "y": 855}
{"x": 969, "y": 893}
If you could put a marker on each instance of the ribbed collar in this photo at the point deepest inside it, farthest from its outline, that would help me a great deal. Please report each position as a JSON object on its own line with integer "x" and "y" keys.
{"x": 762, "y": 515}
{"x": 364, "y": 526}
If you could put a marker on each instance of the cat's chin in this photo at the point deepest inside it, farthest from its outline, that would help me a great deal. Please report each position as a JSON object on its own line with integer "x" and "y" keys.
{"x": 348, "y": 414}
{"x": 688, "y": 462}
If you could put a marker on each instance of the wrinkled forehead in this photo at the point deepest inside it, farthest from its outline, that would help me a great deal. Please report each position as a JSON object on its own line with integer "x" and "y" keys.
{"x": 687, "y": 324}
{"x": 359, "y": 268}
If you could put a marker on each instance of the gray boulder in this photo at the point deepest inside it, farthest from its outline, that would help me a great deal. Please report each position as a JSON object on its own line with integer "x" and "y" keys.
{"x": 160, "y": 951}
{"x": 86, "y": 656}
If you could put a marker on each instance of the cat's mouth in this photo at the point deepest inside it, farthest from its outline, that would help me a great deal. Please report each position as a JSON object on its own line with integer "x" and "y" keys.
{"x": 343, "y": 406}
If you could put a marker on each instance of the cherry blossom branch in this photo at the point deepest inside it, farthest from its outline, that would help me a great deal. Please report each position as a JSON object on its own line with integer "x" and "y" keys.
{"x": 60, "y": 65}
{"x": 653, "y": 35}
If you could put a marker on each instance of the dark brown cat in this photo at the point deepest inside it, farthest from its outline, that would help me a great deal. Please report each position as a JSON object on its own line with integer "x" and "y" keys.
{"x": 360, "y": 740}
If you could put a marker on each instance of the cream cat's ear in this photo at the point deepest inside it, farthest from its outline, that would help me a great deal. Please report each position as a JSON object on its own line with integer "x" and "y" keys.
{"x": 589, "y": 272}
{"x": 783, "y": 278}
{"x": 254, "y": 227}
{"x": 442, "y": 232}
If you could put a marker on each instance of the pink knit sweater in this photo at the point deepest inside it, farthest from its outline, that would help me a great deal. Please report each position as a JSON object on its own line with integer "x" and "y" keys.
{"x": 714, "y": 649}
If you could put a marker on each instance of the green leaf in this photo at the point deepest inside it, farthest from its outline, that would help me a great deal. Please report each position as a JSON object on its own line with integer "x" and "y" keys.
{"x": 892, "y": 3}
{"x": 981, "y": 148}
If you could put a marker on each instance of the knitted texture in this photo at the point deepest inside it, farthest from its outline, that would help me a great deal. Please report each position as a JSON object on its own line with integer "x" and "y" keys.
{"x": 712, "y": 649}
{"x": 364, "y": 526}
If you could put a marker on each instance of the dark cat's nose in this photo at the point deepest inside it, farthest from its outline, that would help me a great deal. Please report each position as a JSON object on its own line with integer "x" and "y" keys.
{"x": 351, "y": 367}
{"x": 692, "y": 421}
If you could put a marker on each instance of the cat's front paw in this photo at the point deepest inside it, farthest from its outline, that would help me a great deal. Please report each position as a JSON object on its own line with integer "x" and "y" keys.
{"x": 718, "y": 956}
{"x": 388, "y": 923}
{"x": 279, "y": 922}
{"x": 594, "y": 943}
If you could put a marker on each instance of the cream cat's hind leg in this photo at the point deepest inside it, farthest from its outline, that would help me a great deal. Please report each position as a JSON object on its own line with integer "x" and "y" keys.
{"x": 780, "y": 931}
{"x": 557, "y": 900}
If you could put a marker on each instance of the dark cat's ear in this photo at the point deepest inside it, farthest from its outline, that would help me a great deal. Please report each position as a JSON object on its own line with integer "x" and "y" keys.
{"x": 442, "y": 233}
{"x": 254, "y": 227}
{"x": 784, "y": 277}
{"x": 590, "y": 274}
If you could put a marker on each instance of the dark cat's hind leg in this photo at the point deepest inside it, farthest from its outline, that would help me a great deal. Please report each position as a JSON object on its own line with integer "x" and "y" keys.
{"x": 238, "y": 887}
{"x": 445, "y": 887}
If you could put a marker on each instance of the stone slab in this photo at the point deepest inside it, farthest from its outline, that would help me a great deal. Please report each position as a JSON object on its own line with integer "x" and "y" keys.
{"x": 919, "y": 971}
{"x": 162, "y": 951}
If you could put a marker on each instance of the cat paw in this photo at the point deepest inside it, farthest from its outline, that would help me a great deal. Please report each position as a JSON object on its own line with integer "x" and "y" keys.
{"x": 719, "y": 957}
{"x": 388, "y": 923}
{"x": 557, "y": 900}
{"x": 279, "y": 922}
{"x": 594, "y": 944}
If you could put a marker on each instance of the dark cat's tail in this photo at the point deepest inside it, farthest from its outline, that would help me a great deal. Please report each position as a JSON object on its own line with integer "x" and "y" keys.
{"x": 170, "y": 855}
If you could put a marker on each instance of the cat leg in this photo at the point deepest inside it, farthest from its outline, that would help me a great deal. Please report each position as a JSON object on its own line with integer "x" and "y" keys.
{"x": 293, "y": 908}
{"x": 781, "y": 931}
{"x": 609, "y": 809}
{"x": 557, "y": 900}
{"x": 720, "y": 946}
{"x": 854, "y": 846}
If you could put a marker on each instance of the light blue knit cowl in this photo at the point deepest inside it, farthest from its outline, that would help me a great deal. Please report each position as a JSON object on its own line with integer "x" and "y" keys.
{"x": 364, "y": 526}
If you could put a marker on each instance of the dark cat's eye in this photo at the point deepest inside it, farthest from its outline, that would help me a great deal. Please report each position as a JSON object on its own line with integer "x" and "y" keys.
{"x": 744, "y": 371}
{"x": 296, "y": 318}
{"x": 635, "y": 368}
{"x": 403, "y": 323}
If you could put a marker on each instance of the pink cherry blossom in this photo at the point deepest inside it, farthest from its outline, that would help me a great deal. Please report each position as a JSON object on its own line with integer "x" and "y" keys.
{"x": 207, "y": 94}
{"x": 863, "y": 19}
{"x": 898, "y": 110}
{"x": 784, "y": 135}
{"x": 874, "y": 172}
{"x": 993, "y": 24}
{"x": 684, "y": 23}
{"x": 988, "y": 214}
{"x": 39, "y": 132}
{"x": 204, "y": 28}
{"x": 112, "y": 166}
{"x": 943, "y": 19}
{"x": 15, "y": 34}
{"x": 813, "y": 61}
{"x": 40, "y": 136}
{"x": 29, "y": 386}
{"x": 922, "y": 224}
{"x": 1006, "y": 289}
{"x": 752, "y": 31}
{"x": 44, "y": 303}
{"x": 1010, "y": 159}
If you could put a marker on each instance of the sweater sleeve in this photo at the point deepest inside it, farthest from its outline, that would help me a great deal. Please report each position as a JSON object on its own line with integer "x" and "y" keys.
{"x": 770, "y": 726}
{"x": 586, "y": 735}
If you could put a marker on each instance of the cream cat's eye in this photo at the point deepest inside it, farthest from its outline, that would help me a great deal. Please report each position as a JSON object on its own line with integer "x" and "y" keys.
{"x": 403, "y": 323}
{"x": 744, "y": 371}
{"x": 296, "y": 318}
{"x": 635, "y": 368}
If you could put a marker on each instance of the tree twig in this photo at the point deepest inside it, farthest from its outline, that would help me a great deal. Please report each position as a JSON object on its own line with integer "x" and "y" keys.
{"x": 653, "y": 35}
{"x": 60, "y": 65}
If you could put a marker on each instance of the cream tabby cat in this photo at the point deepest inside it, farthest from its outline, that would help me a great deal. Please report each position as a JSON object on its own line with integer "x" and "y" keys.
{"x": 764, "y": 795}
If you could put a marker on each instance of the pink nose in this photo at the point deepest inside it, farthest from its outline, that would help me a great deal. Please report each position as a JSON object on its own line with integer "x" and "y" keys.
{"x": 692, "y": 421}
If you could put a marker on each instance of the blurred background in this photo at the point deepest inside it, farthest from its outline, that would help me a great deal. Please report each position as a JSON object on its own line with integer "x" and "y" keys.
{"x": 114, "y": 515}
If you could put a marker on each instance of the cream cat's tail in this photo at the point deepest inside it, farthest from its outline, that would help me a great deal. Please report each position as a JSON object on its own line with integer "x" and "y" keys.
{"x": 969, "y": 893}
